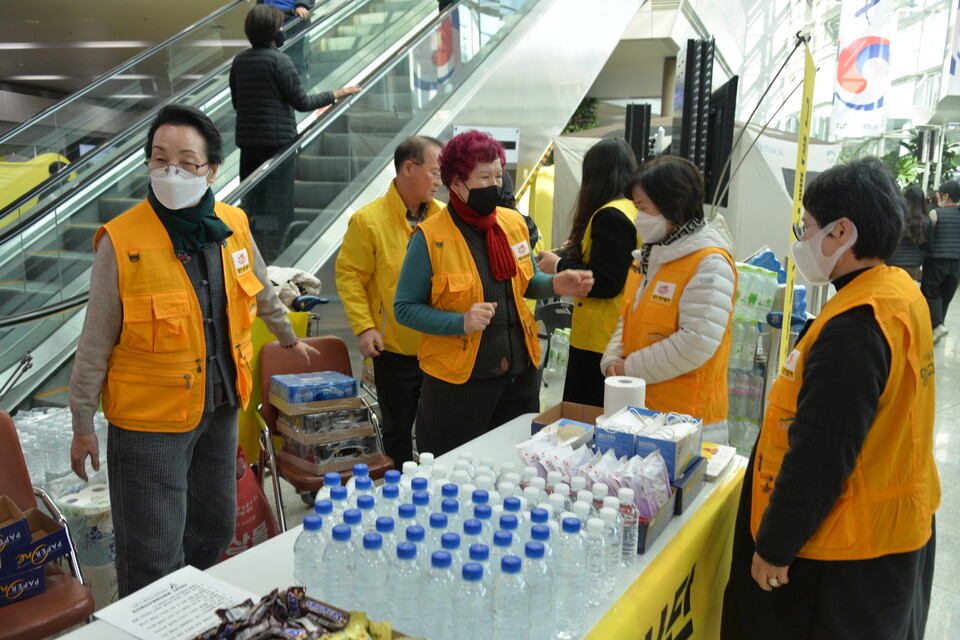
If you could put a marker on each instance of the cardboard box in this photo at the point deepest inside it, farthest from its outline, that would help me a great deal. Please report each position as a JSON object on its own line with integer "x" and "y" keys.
{"x": 313, "y": 423}
{"x": 342, "y": 464}
{"x": 22, "y": 585}
{"x": 324, "y": 437}
{"x": 690, "y": 483}
{"x": 303, "y": 408}
{"x": 571, "y": 411}
{"x": 677, "y": 455}
{"x": 14, "y": 530}
{"x": 48, "y": 541}
{"x": 651, "y": 530}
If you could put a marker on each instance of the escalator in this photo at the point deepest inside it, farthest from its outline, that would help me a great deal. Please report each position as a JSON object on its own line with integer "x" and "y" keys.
{"x": 469, "y": 66}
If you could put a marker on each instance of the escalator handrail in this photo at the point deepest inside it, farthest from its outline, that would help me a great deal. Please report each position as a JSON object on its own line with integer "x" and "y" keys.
{"x": 116, "y": 70}
{"x": 16, "y": 227}
{"x": 40, "y": 313}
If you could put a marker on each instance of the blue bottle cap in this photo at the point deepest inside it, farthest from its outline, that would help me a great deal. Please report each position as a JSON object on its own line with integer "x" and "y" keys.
{"x": 472, "y": 572}
{"x": 571, "y": 525}
{"x": 482, "y": 511}
{"x": 391, "y": 477}
{"x": 363, "y": 483}
{"x": 338, "y": 493}
{"x": 406, "y": 550}
{"x": 323, "y": 507}
{"x": 480, "y": 496}
{"x": 510, "y": 564}
{"x": 539, "y": 515}
{"x": 332, "y": 479}
{"x": 479, "y": 552}
{"x": 391, "y": 491}
{"x": 341, "y": 532}
{"x": 415, "y": 533}
{"x": 449, "y": 490}
{"x": 385, "y": 524}
{"x": 511, "y": 504}
{"x": 450, "y": 541}
{"x": 360, "y": 469}
{"x": 509, "y": 522}
{"x": 472, "y": 527}
{"x": 440, "y": 559}
{"x": 421, "y": 498}
{"x": 372, "y": 541}
{"x": 352, "y": 516}
{"x": 365, "y": 502}
{"x": 407, "y": 511}
{"x": 313, "y": 522}
{"x": 419, "y": 483}
{"x": 438, "y": 521}
{"x": 450, "y": 505}
{"x": 540, "y": 532}
{"x": 503, "y": 538}
{"x": 533, "y": 549}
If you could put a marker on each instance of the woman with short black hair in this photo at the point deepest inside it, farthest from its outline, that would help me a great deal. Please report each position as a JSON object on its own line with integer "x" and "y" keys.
{"x": 917, "y": 229}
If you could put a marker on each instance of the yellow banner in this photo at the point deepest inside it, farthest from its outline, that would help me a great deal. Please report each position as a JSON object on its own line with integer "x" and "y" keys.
{"x": 799, "y": 185}
{"x": 680, "y": 595}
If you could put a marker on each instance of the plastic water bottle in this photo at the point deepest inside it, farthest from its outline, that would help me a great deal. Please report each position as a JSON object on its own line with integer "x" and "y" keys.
{"x": 421, "y": 500}
{"x": 556, "y": 502}
{"x": 406, "y": 478}
{"x": 473, "y": 604}
{"x": 467, "y": 456}
{"x": 510, "y": 523}
{"x": 502, "y": 546}
{"x": 599, "y": 491}
{"x": 450, "y": 507}
{"x": 531, "y": 495}
{"x": 539, "y": 576}
{"x": 613, "y": 503}
{"x": 553, "y": 479}
{"x": 390, "y": 479}
{"x": 511, "y": 602}
{"x": 330, "y": 480}
{"x": 336, "y": 584}
{"x": 404, "y": 589}
{"x": 613, "y": 546}
{"x": 388, "y": 504}
{"x": 419, "y": 483}
{"x": 577, "y": 484}
{"x": 437, "y": 597}
{"x": 450, "y": 542}
{"x": 324, "y": 509}
{"x": 447, "y": 491}
{"x": 541, "y": 533}
{"x": 354, "y": 519}
{"x": 426, "y": 463}
{"x": 479, "y": 496}
{"x": 527, "y": 474}
{"x": 368, "y": 517}
{"x": 484, "y": 482}
{"x": 386, "y": 527}
{"x": 571, "y": 577}
{"x": 480, "y": 553}
{"x": 437, "y": 526}
{"x": 338, "y": 496}
{"x": 360, "y": 470}
{"x": 514, "y": 507}
{"x": 586, "y": 496}
{"x": 563, "y": 489}
{"x": 371, "y": 571}
{"x": 541, "y": 485}
{"x": 460, "y": 477}
{"x": 308, "y": 555}
{"x": 631, "y": 525}
{"x": 416, "y": 534}
{"x": 406, "y": 516}
{"x": 484, "y": 514}
{"x": 582, "y": 511}
{"x": 596, "y": 562}
{"x": 491, "y": 464}
{"x": 472, "y": 532}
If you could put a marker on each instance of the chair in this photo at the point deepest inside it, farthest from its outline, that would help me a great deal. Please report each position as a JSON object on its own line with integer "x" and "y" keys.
{"x": 554, "y": 315}
{"x": 66, "y": 601}
{"x": 274, "y": 360}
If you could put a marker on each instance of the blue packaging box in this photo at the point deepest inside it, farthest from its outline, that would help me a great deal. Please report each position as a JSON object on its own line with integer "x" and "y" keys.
{"x": 14, "y": 530}
{"x": 623, "y": 444}
{"x": 296, "y": 388}
{"x": 690, "y": 483}
{"x": 677, "y": 455}
{"x": 22, "y": 585}
{"x": 46, "y": 541}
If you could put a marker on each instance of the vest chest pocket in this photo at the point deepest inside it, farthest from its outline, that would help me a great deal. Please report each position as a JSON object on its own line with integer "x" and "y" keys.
{"x": 245, "y": 302}
{"x": 156, "y": 322}
{"x": 451, "y": 291}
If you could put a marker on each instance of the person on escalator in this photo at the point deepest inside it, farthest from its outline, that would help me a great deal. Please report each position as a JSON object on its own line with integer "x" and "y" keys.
{"x": 176, "y": 283}
{"x": 265, "y": 90}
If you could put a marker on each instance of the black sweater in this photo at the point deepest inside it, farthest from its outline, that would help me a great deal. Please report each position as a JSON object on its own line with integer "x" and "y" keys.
{"x": 265, "y": 89}
{"x": 613, "y": 237}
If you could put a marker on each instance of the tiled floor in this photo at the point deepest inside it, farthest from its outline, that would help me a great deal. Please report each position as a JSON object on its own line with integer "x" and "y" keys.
{"x": 944, "y": 618}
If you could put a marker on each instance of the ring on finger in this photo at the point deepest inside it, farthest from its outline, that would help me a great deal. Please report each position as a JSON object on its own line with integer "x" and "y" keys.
{"x": 773, "y": 582}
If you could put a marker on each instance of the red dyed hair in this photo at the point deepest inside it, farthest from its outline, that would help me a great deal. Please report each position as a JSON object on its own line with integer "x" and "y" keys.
{"x": 466, "y": 151}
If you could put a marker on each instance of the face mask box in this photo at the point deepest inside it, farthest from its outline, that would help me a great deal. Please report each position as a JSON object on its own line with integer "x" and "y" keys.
{"x": 581, "y": 413}
{"x": 622, "y": 442}
{"x": 688, "y": 486}
{"x": 651, "y": 529}
{"x": 47, "y": 541}
{"x": 22, "y": 585}
{"x": 678, "y": 455}
{"x": 14, "y": 530}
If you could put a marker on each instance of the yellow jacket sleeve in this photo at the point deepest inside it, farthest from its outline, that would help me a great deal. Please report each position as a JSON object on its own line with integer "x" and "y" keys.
{"x": 356, "y": 263}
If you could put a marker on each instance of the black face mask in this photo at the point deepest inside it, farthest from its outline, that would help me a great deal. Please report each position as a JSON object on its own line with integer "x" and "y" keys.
{"x": 280, "y": 38}
{"x": 484, "y": 200}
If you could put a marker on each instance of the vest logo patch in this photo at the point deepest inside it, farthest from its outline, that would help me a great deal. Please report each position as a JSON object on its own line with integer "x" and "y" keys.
{"x": 241, "y": 261}
{"x": 521, "y": 250}
{"x": 789, "y": 368}
{"x": 438, "y": 244}
{"x": 663, "y": 292}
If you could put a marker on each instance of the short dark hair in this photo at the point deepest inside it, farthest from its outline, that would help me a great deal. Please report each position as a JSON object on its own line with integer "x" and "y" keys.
{"x": 673, "y": 184}
{"x": 262, "y": 24}
{"x": 952, "y": 189}
{"x": 412, "y": 149}
{"x": 181, "y": 115}
{"x": 865, "y": 192}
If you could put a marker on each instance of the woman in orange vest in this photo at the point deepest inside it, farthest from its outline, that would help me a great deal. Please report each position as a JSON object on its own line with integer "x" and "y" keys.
{"x": 835, "y": 535}
{"x": 462, "y": 285}
{"x": 674, "y": 330}
{"x": 175, "y": 285}
{"x": 602, "y": 241}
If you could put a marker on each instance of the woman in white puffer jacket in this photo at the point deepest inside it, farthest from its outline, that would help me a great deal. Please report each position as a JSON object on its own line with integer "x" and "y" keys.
{"x": 674, "y": 328}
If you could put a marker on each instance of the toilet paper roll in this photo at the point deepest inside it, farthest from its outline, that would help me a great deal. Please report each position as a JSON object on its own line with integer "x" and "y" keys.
{"x": 87, "y": 513}
{"x": 623, "y": 391}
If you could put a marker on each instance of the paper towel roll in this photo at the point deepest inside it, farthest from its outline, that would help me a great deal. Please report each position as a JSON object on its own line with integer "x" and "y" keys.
{"x": 87, "y": 513}
{"x": 623, "y": 391}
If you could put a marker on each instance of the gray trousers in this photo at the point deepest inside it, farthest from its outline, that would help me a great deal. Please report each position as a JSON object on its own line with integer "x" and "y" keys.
{"x": 173, "y": 497}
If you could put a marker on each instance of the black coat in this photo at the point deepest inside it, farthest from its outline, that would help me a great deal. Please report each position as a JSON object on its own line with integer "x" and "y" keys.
{"x": 265, "y": 89}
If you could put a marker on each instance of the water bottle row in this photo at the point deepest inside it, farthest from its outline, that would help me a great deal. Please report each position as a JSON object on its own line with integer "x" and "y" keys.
{"x": 744, "y": 337}
{"x": 745, "y": 392}
{"x": 45, "y": 438}
{"x": 537, "y": 593}
{"x": 756, "y": 288}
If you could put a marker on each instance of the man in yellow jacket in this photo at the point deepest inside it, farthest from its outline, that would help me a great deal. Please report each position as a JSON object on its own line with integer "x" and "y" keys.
{"x": 367, "y": 271}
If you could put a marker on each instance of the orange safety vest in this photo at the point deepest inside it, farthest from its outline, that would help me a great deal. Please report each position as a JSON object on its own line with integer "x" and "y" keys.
{"x": 456, "y": 287}
{"x": 701, "y": 393}
{"x": 156, "y": 372}
{"x": 595, "y": 319}
{"x": 888, "y": 501}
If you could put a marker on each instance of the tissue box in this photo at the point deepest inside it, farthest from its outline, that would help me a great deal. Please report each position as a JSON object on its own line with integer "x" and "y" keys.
{"x": 570, "y": 411}
{"x": 677, "y": 455}
{"x": 298, "y": 388}
{"x": 22, "y": 585}
{"x": 688, "y": 486}
{"x": 48, "y": 541}
{"x": 14, "y": 531}
{"x": 651, "y": 529}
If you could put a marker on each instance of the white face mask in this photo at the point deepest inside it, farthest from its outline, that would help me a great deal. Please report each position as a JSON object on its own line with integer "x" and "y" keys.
{"x": 177, "y": 189}
{"x": 652, "y": 229}
{"x": 809, "y": 258}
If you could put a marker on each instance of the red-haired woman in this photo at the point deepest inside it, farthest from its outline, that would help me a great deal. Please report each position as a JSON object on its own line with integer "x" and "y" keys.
{"x": 462, "y": 286}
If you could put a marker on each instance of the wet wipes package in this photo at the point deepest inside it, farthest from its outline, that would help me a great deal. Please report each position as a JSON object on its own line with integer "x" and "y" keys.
{"x": 295, "y": 388}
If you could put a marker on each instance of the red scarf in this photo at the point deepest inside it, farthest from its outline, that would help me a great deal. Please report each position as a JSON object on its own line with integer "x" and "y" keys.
{"x": 503, "y": 264}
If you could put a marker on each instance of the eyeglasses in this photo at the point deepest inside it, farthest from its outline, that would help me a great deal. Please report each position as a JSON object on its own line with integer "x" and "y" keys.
{"x": 798, "y": 230}
{"x": 189, "y": 167}
{"x": 436, "y": 174}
